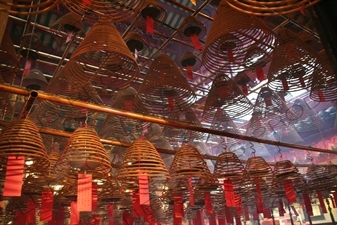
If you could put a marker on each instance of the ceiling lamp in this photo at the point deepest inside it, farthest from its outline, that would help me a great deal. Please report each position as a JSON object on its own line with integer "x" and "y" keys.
{"x": 35, "y": 80}
{"x": 150, "y": 13}
{"x": 93, "y": 10}
{"x": 104, "y": 57}
{"x": 293, "y": 64}
{"x": 193, "y": 30}
{"x": 137, "y": 44}
{"x": 25, "y": 7}
{"x": 189, "y": 62}
{"x": 9, "y": 57}
{"x": 165, "y": 89}
{"x": 237, "y": 41}
{"x": 225, "y": 95}
{"x": 270, "y": 8}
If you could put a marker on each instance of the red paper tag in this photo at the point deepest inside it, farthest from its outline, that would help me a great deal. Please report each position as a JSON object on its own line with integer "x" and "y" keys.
{"x": 285, "y": 85}
{"x": 111, "y": 214}
{"x": 86, "y": 2}
{"x": 208, "y": 203}
{"x": 266, "y": 213}
{"x": 96, "y": 220}
{"x": 268, "y": 101}
{"x": 69, "y": 36}
{"x": 238, "y": 203}
{"x": 255, "y": 215}
{"x": 230, "y": 55}
{"x": 289, "y": 190}
{"x": 14, "y": 176}
{"x": 229, "y": 217}
{"x": 221, "y": 221}
{"x": 28, "y": 65}
{"x": 178, "y": 207}
{"x": 321, "y": 96}
{"x": 84, "y": 193}
{"x": 177, "y": 221}
{"x": 321, "y": 201}
{"x": 259, "y": 202}
{"x": 229, "y": 193}
{"x": 246, "y": 212}
{"x": 20, "y": 218}
{"x": 294, "y": 210}
{"x": 149, "y": 24}
{"x": 300, "y": 78}
{"x": 94, "y": 196}
{"x": 137, "y": 211}
{"x": 170, "y": 102}
{"x": 74, "y": 214}
{"x": 199, "y": 218}
{"x": 190, "y": 189}
{"x": 128, "y": 104}
{"x": 144, "y": 194}
{"x": 127, "y": 219}
{"x": 30, "y": 213}
{"x": 244, "y": 89}
{"x": 60, "y": 216}
{"x": 237, "y": 220}
{"x": 259, "y": 74}
{"x": 46, "y": 210}
{"x": 189, "y": 72}
{"x": 212, "y": 220}
{"x": 196, "y": 43}
{"x": 281, "y": 207}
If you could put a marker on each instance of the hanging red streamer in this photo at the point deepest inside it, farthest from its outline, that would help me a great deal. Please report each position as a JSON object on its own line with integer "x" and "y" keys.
{"x": 212, "y": 220}
{"x": 149, "y": 25}
{"x": 144, "y": 194}
{"x": 84, "y": 193}
{"x": 14, "y": 176}
{"x": 137, "y": 211}
{"x": 128, "y": 104}
{"x": 289, "y": 190}
{"x": 28, "y": 65}
{"x": 60, "y": 217}
{"x": 256, "y": 215}
{"x": 20, "y": 218}
{"x": 260, "y": 74}
{"x": 300, "y": 78}
{"x": 321, "y": 96}
{"x": 307, "y": 204}
{"x": 190, "y": 189}
{"x": 229, "y": 193}
{"x": 259, "y": 202}
{"x": 285, "y": 85}
{"x": 208, "y": 203}
{"x": 189, "y": 72}
{"x": 195, "y": 41}
{"x": 178, "y": 207}
{"x": 177, "y": 221}
{"x": 229, "y": 216}
{"x": 244, "y": 88}
{"x": 111, "y": 214}
{"x": 46, "y": 209}
{"x": 94, "y": 196}
{"x": 238, "y": 205}
{"x": 266, "y": 213}
{"x": 74, "y": 214}
{"x": 321, "y": 201}
{"x": 127, "y": 219}
{"x": 30, "y": 213}
{"x": 230, "y": 55}
{"x": 280, "y": 207}
{"x": 221, "y": 221}
{"x": 170, "y": 102}
{"x": 246, "y": 212}
{"x": 294, "y": 210}
{"x": 237, "y": 220}
{"x": 96, "y": 220}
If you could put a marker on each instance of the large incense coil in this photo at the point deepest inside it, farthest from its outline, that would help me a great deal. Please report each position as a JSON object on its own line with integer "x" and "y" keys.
{"x": 84, "y": 152}
{"x": 236, "y": 40}
{"x": 9, "y": 57}
{"x": 105, "y": 58}
{"x": 165, "y": 89}
{"x": 308, "y": 119}
{"x": 226, "y": 96}
{"x": 142, "y": 157}
{"x": 188, "y": 162}
{"x": 293, "y": 64}
{"x": 25, "y": 7}
{"x": 35, "y": 80}
{"x": 67, "y": 23}
{"x": 111, "y": 191}
{"x": 324, "y": 85}
{"x": 136, "y": 43}
{"x": 115, "y": 11}
{"x": 270, "y": 8}
{"x": 22, "y": 138}
{"x": 191, "y": 26}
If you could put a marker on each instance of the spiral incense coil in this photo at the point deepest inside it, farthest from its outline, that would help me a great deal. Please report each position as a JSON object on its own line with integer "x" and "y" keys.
{"x": 22, "y": 138}
{"x": 236, "y": 40}
{"x": 26, "y": 7}
{"x": 191, "y": 26}
{"x": 165, "y": 89}
{"x": 28, "y": 42}
{"x": 104, "y": 57}
{"x": 293, "y": 64}
{"x": 111, "y": 191}
{"x": 9, "y": 57}
{"x": 35, "y": 80}
{"x": 84, "y": 153}
{"x": 270, "y": 8}
{"x": 226, "y": 96}
{"x": 93, "y": 10}
{"x": 190, "y": 59}
{"x": 67, "y": 23}
{"x": 257, "y": 167}
{"x": 136, "y": 43}
{"x": 321, "y": 177}
{"x": 152, "y": 9}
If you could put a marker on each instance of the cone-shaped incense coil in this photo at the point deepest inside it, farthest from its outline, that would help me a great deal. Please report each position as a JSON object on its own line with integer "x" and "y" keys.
{"x": 152, "y": 9}
{"x": 236, "y": 40}
{"x": 30, "y": 41}
{"x": 308, "y": 119}
{"x": 188, "y": 162}
{"x": 270, "y": 8}
{"x": 136, "y": 42}
{"x": 257, "y": 167}
{"x": 324, "y": 85}
{"x": 69, "y": 22}
{"x": 293, "y": 64}
{"x": 142, "y": 157}
{"x": 112, "y": 191}
{"x": 225, "y": 95}
{"x": 25, "y": 7}
{"x": 84, "y": 152}
{"x": 321, "y": 177}
{"x": 190, "y": 59}
{"x": 9, "y": 57}
{"x": 104, "y": 57}
{"x": 35, "y": 80}
{"x": 22, "y": 138}
{"x": 165, "y": 89}
{"x": 95, "y": 9}
{"x": 191, "y": 26}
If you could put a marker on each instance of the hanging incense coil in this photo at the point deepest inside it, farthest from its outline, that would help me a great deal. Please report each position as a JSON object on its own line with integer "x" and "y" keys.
{"x": 104, "y": 57}
{"x": 293, "y": 64}
{"x": 324, "y": 85}
{"x": 192, "y": 29}
{"x": 226, "y": 96}
{"x": 25, "y": 7}
{"x": 67, "y": 23}
{"x": 152, "y": 9}
{"x": 111, "y": 191}
{"x": 28, "y": 42}
{"x": 270, "y": 8}
{"x": 321, "y": 177}
{"x": 84, "y": 152}
{"x": 236, "y": 40}
{"x": 242, "y": 80}
{"x": 142, "y": 157}
{"x": 115, "y": 11}
{"x": 190, "y": 63}
{"x": 9, "y": 56}
{"x": 137, "y": 44}
{"x": 35, "y": 80}
{"x": 165, "y": 89}
{"x": 188, "y": 162}
{"x": 22, "y": 138}
{"x": 5, "y": 104}
{"x": 257, "y": 167}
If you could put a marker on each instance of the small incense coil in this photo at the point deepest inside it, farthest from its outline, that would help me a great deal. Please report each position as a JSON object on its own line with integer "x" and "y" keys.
{"x": 191, "y": 28}
{"x": 270, "y": 8}
{"x": 257, "y": 167}
{"x": 165, "y": 89}
{"x": 35, "y": 80}
{"x": 152, "y": 9}
{"x": 84, "y": 153}
{"x": 321, "y": 177}
{"x": 28, "y": 42}
{"x": 136, "y": 42}
{"x": 190, "y": 63}
{"x": 25, "y": 7}
{"x": 105, "y": 58}
{"x": 293, "y": 64}
{"x": 226, "y": 96}
{"x": 115, "y": 11}
{"x": 236, "y": 40}
{"x": 67, "y": 23}
{"x": 9, "y": 57}
{"x": 111, "y": 191}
